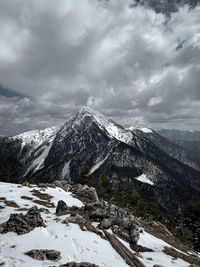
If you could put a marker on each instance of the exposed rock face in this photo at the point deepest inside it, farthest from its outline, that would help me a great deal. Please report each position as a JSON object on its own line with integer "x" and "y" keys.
{"x": 44, "y": 254}
{"x": 61, "y": 208}
{"x": 22, "y": 224}
{"x": 80, "y": 264}
{"x": 85, "y": 191}
{"x": 119, "y": 220}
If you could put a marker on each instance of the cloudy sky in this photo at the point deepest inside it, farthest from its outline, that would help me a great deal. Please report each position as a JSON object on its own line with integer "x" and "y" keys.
{"x": 134, "y": 65}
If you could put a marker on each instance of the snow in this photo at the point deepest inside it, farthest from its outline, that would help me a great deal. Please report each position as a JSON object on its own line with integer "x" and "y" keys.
{"x": 66, "y": 170}
{"x": 105, "y": 123}
{"x": 157, "y": 245}
{"x": 36, "y": 137}
{"x": 143, "y": 178}
{"x": 43, "y": 152}
{"x": 144, "y": 129}
{"x": 73, "y": 243}
{"x": 98, "y": 164}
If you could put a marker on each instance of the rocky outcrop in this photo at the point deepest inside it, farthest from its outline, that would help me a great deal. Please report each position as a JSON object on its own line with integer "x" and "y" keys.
{"x": 62, "y": 208}
{"x": 22, "y": 224}
{"x": 80, "y": 264}
{"x": 75, "y": 218}
{"x": 44, "y": 254}
{"x": 85, "y": 191}
{"x": 122, "y": 222}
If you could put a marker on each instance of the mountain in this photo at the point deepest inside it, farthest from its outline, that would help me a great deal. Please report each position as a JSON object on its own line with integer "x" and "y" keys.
{"x": 187, "y": 139}
{"x": 92, "y": 139}
{"x": 169, "y": 146}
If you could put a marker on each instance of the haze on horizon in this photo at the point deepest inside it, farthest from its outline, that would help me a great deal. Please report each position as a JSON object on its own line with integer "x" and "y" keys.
{"x": 136, "y": 66}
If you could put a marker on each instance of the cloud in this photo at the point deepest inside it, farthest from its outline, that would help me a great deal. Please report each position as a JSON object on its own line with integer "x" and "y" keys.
{"x": 122, "y": 61}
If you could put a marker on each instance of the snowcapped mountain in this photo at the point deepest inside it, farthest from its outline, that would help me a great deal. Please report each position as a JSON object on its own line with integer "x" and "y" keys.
{"x": 91, "y": 139}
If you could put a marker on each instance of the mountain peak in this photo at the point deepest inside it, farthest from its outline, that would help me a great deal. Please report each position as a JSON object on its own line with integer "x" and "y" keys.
{"x": 105, "y": 123}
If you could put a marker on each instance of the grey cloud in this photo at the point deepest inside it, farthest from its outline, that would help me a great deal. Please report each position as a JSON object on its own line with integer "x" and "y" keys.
{"x": 122, "y": 61}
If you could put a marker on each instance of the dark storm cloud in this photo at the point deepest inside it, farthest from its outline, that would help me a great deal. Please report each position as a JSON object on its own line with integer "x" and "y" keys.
{"x": 122, "y": 61}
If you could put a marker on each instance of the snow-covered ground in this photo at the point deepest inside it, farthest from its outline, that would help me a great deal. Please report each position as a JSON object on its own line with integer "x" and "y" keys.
{"x": 73, "y": 243}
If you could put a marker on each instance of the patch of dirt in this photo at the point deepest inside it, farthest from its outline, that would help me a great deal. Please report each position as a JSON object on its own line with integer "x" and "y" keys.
{"x": 44, "y": 203}
{"x": 22, "y": 209}
{"x": 27, "y": 198}
{"x": 176, "y": 254}
{"x": 11, "y": 203}
{"x": 40, "y": 195}
{"x": 139, "y": 248}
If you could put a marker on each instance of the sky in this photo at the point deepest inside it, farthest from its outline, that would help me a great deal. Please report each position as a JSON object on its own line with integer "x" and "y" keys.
{"x": 136, "y": 66}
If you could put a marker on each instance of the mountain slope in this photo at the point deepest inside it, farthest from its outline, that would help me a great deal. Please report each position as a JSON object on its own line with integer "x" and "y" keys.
{"x": 74, "y": 243}
{"x": 172, "y": 149}
{"x": 92, "y": 139}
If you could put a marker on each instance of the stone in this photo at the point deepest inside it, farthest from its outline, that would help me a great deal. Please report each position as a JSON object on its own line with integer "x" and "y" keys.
{"x": 62, "y": 208}
{"x": 44, "y": 254}
{"x": 80, "y": 264}
{"x": 77, "y": 219}
{"x": 22, "y": 224}
{"x": 87, "y": 192}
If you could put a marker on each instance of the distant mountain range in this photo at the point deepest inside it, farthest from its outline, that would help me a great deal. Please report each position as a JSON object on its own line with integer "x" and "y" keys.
{"x": 152, "y": 162}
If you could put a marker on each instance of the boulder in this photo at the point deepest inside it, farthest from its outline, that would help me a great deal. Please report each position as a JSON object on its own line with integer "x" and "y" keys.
{"x": 62, "y": 208}
{"x": 44, "y": 254}
{"x": 86, "y": 191}
{"x": 22, "y": 224}
{"x": 75, "y": 219}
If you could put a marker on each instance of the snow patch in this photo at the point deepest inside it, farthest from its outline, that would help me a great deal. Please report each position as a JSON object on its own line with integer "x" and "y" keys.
{"x": 66, "y": 170}
{"x": 143, "y": 178}
{"x": 146, "y": 130}
{"x": 98, "y": 164}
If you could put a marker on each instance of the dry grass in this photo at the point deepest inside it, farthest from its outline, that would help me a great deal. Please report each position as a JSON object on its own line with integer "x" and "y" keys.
{"x": 11, "y": 203}
{"x": 42, "y": 196}
{"x": 158, "y": 232}
{"x": 176, "y": 254}
{"x": 139, "y": 248}
{"x": 44, "y": 203}
{"x": 27, "y": 198}
{"x": 22, "y": 209}
{"x": 44, "y": 199}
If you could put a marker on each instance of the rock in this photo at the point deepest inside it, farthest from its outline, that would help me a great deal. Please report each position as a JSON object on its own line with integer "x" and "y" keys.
{"x": 62, "y": 208}
{"x": 107, "y": 223}
{"x": 99, "y": 214}
{"x": 44, "y": 254}
{"x": 22, "y": 224}
{"x": 75, "y": 219}
{"x": 44, "y": 210}
{"x": 87, "y": 192}
{"x": 80, "y": 264}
